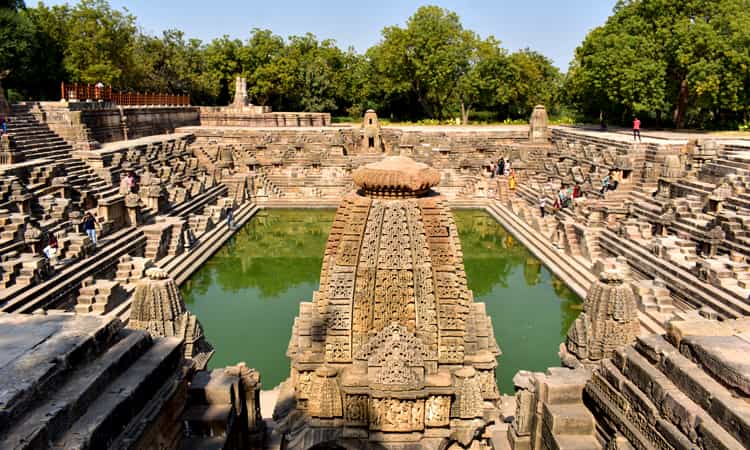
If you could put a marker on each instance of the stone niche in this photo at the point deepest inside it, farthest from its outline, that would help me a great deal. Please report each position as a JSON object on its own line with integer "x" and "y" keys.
{"x": 392, "y": 350}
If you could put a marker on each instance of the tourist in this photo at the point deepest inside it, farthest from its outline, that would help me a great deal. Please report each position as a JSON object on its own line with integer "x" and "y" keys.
{"x": 637, "y": 129}
{"x": 605, "y": 183}
{"x": 507, "y": 167}
{"x": 542, "y": 204}
{"x": 230, "y": 217}
{"x": 576, "y": 191}
{"x": 50, "y": 251}
{"x": 130, "y": 180}
{"x": 90, "y": 224}
{"x": 562, "y": 197}
{"x": 512, "y": 181}
{"x": 3, "y": 125}
{"x": 500, "y": 167}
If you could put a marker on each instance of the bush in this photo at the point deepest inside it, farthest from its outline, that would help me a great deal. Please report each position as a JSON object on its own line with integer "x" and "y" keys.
{"x": 13, "y": 96}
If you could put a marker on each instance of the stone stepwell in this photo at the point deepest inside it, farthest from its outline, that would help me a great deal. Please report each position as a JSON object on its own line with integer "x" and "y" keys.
{"x": 97, "y": 350}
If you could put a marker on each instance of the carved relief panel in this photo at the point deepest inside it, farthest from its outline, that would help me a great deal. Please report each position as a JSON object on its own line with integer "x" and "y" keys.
{"x": 390, "y": 414}
{"x": 437, "y": 411}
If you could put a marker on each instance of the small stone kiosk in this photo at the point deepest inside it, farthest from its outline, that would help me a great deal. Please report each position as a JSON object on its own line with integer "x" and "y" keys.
{"x": 392, "y": 352}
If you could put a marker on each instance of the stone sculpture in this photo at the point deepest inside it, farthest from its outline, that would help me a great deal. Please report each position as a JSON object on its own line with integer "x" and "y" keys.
{"x": 392, "y": 342}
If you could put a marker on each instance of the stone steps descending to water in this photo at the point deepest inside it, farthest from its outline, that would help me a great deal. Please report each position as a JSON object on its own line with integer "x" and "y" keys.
{"x": 687, "y": 400}
{"x": 125, "y": 241}
{"x": 577, "y": 276}
{"x": 76, "y": 394}
{"x": 680, "y": 281}
{"x": 129, "y": 393}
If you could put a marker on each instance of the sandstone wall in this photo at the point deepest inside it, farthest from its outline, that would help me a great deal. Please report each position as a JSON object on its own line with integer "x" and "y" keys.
{"x": 82, "y": 123}
{"x": 316, "y": 162}
{"x": 110, "y": 125}
{"x": 253, "y": 118}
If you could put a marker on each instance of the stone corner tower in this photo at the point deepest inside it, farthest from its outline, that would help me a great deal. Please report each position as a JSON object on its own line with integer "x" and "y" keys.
{"x": 392, "y": 350}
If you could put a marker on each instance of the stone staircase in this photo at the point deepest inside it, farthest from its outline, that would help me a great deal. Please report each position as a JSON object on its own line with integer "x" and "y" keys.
{"x": 690, "y": 403}
{"x": 79, "y": 387}
{"x": 210, "y": 411}
{"x": 99, "y": 296}
{"x": 36, "y": 141}
{"x": 654, "y": 299}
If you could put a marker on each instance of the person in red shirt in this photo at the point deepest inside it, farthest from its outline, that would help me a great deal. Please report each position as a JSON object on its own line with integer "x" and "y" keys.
{"x": 637, "y": 129}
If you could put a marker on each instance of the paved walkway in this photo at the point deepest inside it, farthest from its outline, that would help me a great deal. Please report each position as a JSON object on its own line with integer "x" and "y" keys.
{"x": 658, "y": 136}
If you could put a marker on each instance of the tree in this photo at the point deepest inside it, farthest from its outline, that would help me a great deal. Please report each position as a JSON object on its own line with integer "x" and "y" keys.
{"x": 100, "y": 44}
{"x": 532, "y": 80}
{"x": 16, "y": 43}
{"x": 480, "y": 84}
{"x": 222, "y": 65}
{"x": 50, "y": 35}
{"x": 689, "y": 57}
{"x": 426, "y": 60}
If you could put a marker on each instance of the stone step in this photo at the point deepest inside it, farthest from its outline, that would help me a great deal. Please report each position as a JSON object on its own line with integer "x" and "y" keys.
{"x": 40, "y": 371}
{"x": 568, "y": 419}
{"x": 60, "y": 410}
{"x": 124, "y": 398}
{"x": 573, "y": 442}
{"x": 684, "y": 386}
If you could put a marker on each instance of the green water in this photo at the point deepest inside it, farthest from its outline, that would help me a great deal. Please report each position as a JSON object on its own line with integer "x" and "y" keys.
{"x": 531, "y": 309}
{"x": 247, "y": 295}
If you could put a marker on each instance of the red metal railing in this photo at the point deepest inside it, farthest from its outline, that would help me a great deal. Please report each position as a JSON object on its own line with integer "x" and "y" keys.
{"x": 83, "y": 92}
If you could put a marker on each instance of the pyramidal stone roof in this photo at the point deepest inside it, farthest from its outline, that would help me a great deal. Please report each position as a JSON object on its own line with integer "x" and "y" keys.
{"x": 393, "y": 313}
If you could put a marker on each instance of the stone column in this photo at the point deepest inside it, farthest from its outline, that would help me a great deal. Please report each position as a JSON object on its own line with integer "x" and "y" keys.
{"x": 538, "y": 126}
{"x": 133, "y": 205}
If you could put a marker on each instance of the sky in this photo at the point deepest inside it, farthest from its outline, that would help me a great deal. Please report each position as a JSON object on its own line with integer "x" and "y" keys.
{"x": 553, "y": 27}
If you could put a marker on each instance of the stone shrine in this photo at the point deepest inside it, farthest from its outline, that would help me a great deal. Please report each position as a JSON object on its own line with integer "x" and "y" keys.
{"x": 609, "y": 320}
{"x": 158, "y": 308}
{"x": 392, "y": 350}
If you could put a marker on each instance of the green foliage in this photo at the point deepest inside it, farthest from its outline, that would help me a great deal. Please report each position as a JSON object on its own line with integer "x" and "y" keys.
{"x": 433, "y": 68}
{"x": 16, "y": 43}
{"x": 688, "y": 60}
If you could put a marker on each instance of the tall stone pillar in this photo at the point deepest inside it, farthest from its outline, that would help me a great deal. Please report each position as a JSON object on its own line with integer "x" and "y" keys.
{"x": 538, "y": 126}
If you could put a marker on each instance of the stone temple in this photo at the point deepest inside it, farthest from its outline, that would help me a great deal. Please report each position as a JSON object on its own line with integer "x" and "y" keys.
{"x": 98, "y": 349}
{"x": 393, "y": 348}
